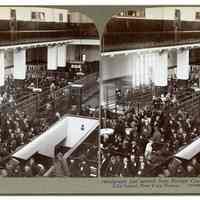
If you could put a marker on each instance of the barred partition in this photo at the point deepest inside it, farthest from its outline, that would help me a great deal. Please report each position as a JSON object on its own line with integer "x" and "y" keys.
{"x": 62, "y": 101}
{"x": 189, "y": 101}
{"x": 135, "y": 97}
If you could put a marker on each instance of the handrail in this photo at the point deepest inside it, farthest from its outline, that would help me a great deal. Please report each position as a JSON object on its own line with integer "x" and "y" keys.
{"x": 89, "y": 76}
{"x": 112, "y": 43}
{"x": 68, "y": 154}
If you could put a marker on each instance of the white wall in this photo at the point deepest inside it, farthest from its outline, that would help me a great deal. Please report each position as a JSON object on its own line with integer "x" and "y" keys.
{"x": 74, "y": 131}
{"x": 51, "y": 14}
{"x": 168, "y": 13}
{"x": 115, "y": 67}
{"x": 119, "y": 65}
{"x": 77, "y": 17}
{"x": 5, "y": 13}
{"x": 154, "y": 13}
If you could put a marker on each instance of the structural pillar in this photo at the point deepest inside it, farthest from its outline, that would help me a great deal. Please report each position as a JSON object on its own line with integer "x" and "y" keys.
{"x": 20, "y": 64}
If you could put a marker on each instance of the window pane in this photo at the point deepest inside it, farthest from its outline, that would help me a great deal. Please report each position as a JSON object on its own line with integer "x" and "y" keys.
{"x": 33, "y": 15}
{"x": 13, "y": 14}
{"x": 60, "y": 17}
{"x": 197, "y": 15}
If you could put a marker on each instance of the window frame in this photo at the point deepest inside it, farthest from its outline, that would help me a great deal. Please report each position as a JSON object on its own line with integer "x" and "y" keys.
{"x": 39, "y": 16}
{"x": 197, "y": 15}
{"x": 61, "y": 17}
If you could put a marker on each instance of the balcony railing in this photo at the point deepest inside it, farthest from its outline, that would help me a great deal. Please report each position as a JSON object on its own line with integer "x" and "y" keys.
{"x": 124, "y": 41}
{"x": 43, "y": 33}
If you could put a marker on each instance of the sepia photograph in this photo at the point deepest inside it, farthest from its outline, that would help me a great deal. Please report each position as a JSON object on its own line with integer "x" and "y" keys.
{"x": 99, "y": 99}
{"x": 150, "y": 93}
{"x": 49, "y": 93}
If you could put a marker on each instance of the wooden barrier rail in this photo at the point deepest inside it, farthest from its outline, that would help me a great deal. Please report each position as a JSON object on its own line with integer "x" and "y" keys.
{"x": 140, "y": 99}
{"x": 119, "y": 41}
{"x": 189, "y": 101}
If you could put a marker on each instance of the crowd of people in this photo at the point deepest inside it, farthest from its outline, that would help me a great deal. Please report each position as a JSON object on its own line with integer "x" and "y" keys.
{"x": 84, "y": 162}
{"x": 8, "y": 92}
{"x": 18, "y": 128}
{"x": 14, "y": 168}
{"x": 77, "y": 165}
{"x": 144, "y": 139}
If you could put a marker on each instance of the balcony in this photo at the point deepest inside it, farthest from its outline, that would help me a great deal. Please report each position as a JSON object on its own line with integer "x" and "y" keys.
{"x": 24, "y": 34}
{"x": 126, "y": 34}
{"x": 139, "y": 40}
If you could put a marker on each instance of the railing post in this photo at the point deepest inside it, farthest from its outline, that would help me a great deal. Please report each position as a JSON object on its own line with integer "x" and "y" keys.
{"x": 80, "y": 100}
{"x": 37, "y": 103}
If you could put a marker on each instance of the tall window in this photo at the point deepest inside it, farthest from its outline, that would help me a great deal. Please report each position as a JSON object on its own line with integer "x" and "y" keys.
{"x": 132, "y": 13}
{"x": 60, "y": 17}
{"x": 13, "y": 24}
{"x": 197, "y": 15}
{"x": 177, "y": 15}
{"x": 177, "y": 19}
{"x": 42, "y": 16}
{"x": 33, "y": 16}
{"x": 68, "y": 18}
{"x": 38, "y": 16}
{"x": 13, "y": 14}
{"x": 121, "y": 14}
